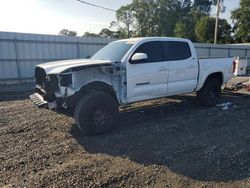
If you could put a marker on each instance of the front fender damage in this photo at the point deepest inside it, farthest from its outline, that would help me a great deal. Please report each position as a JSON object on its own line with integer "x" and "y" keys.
{"x": 71, "y": 82}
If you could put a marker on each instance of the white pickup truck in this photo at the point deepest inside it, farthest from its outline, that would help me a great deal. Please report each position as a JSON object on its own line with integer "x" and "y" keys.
{"x": 125, "y": 72}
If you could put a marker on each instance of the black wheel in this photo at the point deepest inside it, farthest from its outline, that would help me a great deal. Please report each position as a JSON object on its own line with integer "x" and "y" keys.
{"x": 96, "y": 113}
{"x": 210, "y": 94}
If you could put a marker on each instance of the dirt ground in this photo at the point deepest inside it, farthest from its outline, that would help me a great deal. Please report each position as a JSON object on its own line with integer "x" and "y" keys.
{"x": 172, "y": 142}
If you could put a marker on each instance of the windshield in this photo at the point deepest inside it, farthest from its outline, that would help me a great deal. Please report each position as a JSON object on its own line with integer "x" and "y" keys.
{"x": 113, "y": 51}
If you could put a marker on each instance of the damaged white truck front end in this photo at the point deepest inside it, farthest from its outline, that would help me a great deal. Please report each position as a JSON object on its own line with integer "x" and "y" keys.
{"x": 60, "y": 84}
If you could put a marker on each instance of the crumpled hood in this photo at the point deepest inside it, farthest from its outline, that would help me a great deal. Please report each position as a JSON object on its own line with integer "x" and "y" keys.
{"x": 57, "y": 67}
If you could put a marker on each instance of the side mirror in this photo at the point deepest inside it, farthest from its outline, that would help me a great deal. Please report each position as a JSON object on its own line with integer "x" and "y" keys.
{"x": 139, "y": 58}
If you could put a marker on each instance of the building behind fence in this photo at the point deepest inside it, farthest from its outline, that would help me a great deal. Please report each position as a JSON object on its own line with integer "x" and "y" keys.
{"x": 20, "y": 53}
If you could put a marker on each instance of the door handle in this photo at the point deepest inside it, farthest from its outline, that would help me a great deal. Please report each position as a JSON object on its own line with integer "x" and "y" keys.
{"x": 191, "y": 66}
{"x": 145, "y": 83}
{"x": 163, "y": 69}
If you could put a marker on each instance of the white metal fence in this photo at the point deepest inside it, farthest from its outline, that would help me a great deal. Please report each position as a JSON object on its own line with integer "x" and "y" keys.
{"x": 20, "y": 53}
{"x": 218, "y": 50}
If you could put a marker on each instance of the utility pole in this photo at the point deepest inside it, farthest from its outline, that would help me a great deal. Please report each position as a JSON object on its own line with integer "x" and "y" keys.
{"x": 216, "y": 22}
{"x": 220, "y": 9}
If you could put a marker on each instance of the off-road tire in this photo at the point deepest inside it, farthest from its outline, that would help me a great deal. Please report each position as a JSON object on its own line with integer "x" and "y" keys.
{"x": 96, "y": 113}
{"x": 210, "y": 93}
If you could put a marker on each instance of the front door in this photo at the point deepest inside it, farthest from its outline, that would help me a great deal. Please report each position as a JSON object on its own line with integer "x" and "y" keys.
{"x": 148, "y": 79}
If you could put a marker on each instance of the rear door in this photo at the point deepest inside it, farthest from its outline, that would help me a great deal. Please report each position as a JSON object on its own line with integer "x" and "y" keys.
{"x": 183, "y": 67}
{"x": 148, "y": 79}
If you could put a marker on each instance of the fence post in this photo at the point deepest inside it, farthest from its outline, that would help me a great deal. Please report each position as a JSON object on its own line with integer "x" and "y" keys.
{"x": 17, "y": 61}
{"x": 78, "y": 49}
{"x": 247, "y": 58}
{"x": 229, "y": 52}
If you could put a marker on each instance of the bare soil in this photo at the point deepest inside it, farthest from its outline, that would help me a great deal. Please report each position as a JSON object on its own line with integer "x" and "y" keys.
{"x": 172, "y": 142}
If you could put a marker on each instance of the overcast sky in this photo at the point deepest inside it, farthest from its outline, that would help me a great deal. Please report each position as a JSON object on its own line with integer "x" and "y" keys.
{"x": 50, "y": 16}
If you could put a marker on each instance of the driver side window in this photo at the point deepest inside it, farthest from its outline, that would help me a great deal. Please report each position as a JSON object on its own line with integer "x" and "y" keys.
{"x": 154, "y": 51}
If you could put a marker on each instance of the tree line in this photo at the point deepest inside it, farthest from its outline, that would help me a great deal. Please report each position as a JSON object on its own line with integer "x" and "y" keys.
{"x": 176, "y": 18}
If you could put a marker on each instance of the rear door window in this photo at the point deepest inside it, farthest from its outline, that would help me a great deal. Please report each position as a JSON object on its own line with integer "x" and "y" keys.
{"x": 154, "y": 51}
{"x": 176, "y": 50}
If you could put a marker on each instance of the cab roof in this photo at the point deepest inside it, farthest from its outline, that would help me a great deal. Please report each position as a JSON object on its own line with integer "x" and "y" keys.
{"x": 140, "y": 39}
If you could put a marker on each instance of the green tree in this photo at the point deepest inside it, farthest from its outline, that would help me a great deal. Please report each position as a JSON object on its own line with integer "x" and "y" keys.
{"x": 185, "y": 29}
{"x": 184, "y": 25}
{"x": 202, "y": 8}
{"x": 67, "y": 32}
{"x": 225, "y": 32}
{"x": 125, "y": 20}
{"x": 190, "y": 13}
{"x": 152, "y": 17}
{"x": 162, "y": 17}
{"x": 204, "y": 30}
{"x": 109, "y": 34}
{"x": 169, "y": 14}
{"x": 145, "y": 13}
{"x": 137, "y": 18}
{"x": 241, "y": 20}
{"x": 89, "y": 34}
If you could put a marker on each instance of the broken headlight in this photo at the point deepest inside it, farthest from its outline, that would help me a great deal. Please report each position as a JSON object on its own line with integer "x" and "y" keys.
{"x": 65, "y": 79}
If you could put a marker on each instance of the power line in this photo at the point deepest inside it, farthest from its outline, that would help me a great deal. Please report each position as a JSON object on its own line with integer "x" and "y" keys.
{"x": 98, "y": 6}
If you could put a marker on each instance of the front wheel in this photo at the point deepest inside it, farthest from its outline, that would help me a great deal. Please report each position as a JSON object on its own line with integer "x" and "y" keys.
{"x": 96, "y": 113}
{"x": 210, "y": 94}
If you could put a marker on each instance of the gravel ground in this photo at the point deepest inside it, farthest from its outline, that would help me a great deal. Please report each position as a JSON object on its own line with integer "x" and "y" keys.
{"x": 172, "y": 142}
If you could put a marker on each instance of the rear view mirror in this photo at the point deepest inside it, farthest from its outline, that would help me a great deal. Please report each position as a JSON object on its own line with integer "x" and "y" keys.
{"x": 139, "y": 58}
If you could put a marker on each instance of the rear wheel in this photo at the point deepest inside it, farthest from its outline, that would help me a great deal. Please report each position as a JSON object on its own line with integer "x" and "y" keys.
{"x": 96, "y": 113}
{"x": 210, "y": 94}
